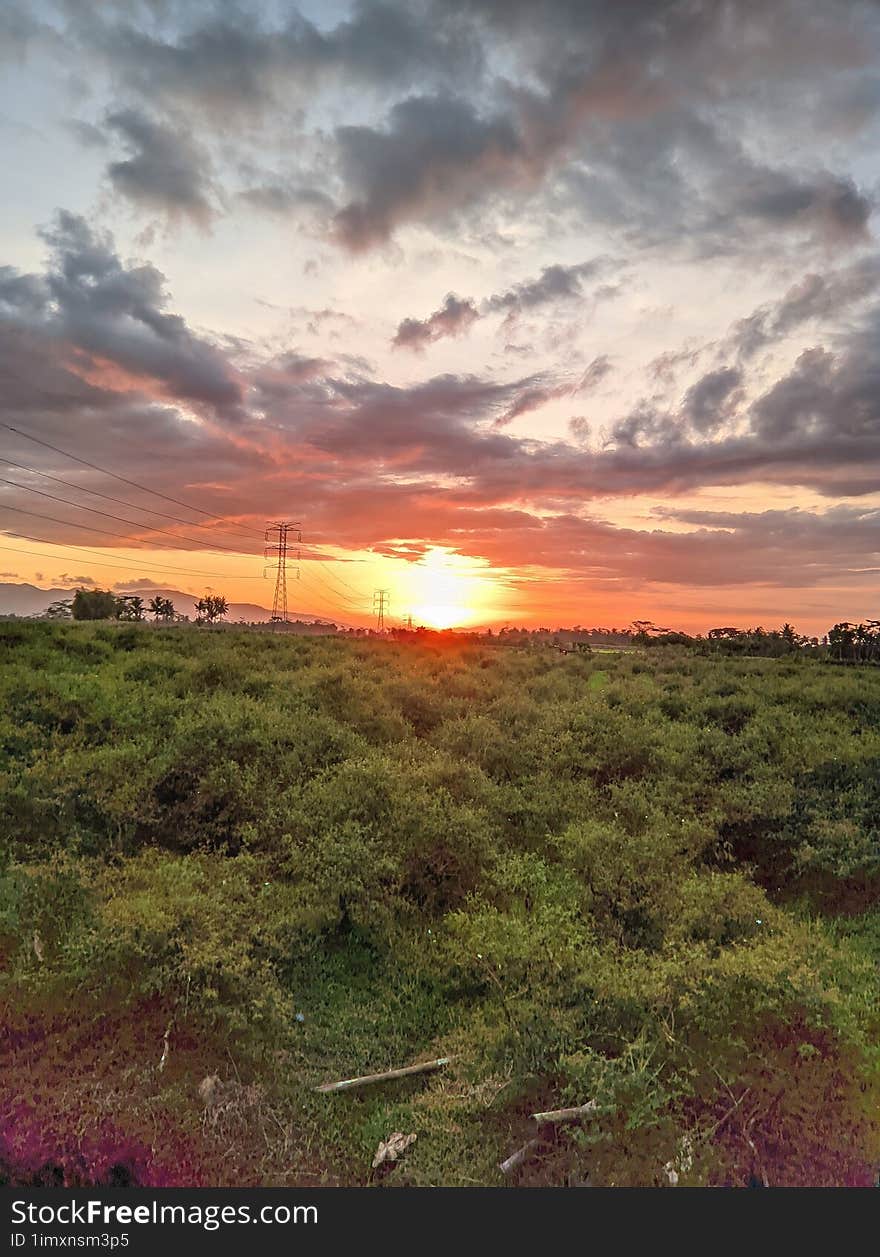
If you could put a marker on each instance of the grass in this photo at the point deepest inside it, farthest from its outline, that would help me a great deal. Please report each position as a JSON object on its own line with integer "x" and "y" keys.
{"x": 648, "y": 879}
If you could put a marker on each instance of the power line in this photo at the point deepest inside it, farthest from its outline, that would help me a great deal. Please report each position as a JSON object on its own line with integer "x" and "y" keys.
{"x": 341, "y": 580}
{"x": 361, "y": 603}
{"x": 317, "y": 596}
{"x": 361, "y": 597}
{"x": 105, "y": 471}
{"x": 40, "y": 554}
{"x": 69, "y": 523}
{"x": 109, "y": 515}
{"x": 81, "y": 488}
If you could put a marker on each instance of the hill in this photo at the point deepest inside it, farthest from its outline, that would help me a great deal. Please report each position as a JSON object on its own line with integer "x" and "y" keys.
{"x": 29, "y": 600}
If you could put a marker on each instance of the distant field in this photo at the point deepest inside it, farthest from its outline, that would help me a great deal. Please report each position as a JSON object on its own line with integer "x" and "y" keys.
{"x": 234, "y": 866}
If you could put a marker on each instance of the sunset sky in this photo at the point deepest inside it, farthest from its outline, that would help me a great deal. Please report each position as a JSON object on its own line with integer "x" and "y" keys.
{"x": 531, "y": 313}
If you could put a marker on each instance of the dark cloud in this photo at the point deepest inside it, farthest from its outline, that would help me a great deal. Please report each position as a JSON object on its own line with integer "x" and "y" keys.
{"x": 107, "y": 320}
{"x": 452, "y": 319}
{"x": 814, "y": 298}
{"x": 165, "y": 172}
{"x": 595, "y": 373}
{"x": 632, "y": 114}
{"x": 89, "y": 342}
{"x": 436, "y": 155}
{"x": 19, "y": 29}
{"x": 284, "y": 197}
{"x": 710, "y": 401}
{"x": 531, "y": 399}
{"x": 455, "y": 316}
{"x": 231, "y": 65}
{"x": 787, "y": 546}
{"x": 555, "y": 283}
{"x": 645, "y": 425}
{"x": 619, "y": 99}
{"x": 433, "y": 427}
{"x": 829, "y": 203}
{"x": 137, "y": 582}
{"x": 89, "y": 135}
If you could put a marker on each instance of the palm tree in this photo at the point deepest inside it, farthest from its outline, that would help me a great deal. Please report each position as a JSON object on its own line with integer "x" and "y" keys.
{"x": 210, "y": 608}
{"x": 161, "y": 608}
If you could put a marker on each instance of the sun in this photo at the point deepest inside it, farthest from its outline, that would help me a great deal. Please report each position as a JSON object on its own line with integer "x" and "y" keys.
{"x": 444, "y": 590}
{"x": 440, "y": 616}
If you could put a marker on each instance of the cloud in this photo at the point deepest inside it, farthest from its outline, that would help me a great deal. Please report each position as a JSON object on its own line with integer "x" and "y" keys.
{"x": 452, "y": 319}
{"x": 285, "y": 196}
{"x": 620, "y": 100}
{"x": 110, "y": 321}
{"x": 814, "y": 298}
{"x": 19, "y": 29}
{"x": 828, "y": 203}
{"x": 422, "y": 112}
{"x": 320, "y": 429}
{"x": 598, "y": 369}
{"x": 532, "y": 399}
{"x": 555, "y": 283}
{"x": 456, "y": 315}
{"x": 88, "y": 135}
{"x": 138, "y": 582}
{"x": 166, "y": 170}
{"x": 232, "y": 67}
{"x": 712, "y": 399}
{"x": 435, "y": 155}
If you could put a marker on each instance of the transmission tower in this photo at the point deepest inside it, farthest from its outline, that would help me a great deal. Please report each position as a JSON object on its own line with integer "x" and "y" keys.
{"x": 278, "y": 547}
{"x": 381, "y": 603}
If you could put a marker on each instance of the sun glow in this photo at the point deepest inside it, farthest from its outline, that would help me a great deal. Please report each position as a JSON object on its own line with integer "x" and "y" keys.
{"x": 440, "y": 617}
{"x": 444, "y": 590}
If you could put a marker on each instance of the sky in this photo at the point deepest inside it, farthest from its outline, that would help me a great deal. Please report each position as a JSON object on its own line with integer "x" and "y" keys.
{"x": 529, "y": 314}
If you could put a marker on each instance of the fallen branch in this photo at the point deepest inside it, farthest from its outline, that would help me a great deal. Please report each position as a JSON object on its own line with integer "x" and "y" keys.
{"x": 517, "y": 1158}
{"x": 165, "y": 1048}
{"x": 566, "y": 1115}
{"x": 367, "y": 1079}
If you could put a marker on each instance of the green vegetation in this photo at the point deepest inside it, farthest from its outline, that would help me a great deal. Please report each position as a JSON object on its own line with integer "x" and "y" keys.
{"x": 648, "y": 879}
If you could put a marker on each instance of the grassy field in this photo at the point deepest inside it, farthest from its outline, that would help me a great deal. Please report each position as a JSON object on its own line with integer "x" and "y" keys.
{"x": 234, "y": 866}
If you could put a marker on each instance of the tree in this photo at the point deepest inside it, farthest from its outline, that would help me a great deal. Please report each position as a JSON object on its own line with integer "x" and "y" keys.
{"x": 841, "y": 639}
{"x": 60, "y": 610}
{"x": 129, "y": 607}
{"x": 211, "y": 608}
{"x": 162, "y": 608}
{"x": 94, "y": 604}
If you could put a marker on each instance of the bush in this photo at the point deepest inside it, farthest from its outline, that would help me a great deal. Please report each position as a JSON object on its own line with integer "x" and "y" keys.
{"x": 652, "y": 884}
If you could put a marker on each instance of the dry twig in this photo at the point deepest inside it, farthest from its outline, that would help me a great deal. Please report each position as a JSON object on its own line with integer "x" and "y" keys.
{"x": 556, "y": 1116}
{"x": 366, "y": 1079}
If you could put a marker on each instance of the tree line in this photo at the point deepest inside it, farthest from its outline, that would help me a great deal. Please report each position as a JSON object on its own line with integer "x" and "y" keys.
{"x": 103, "y": 604}
{"x": 845, "y": 642}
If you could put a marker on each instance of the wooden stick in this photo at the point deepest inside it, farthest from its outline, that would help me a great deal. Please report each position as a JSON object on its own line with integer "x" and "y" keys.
{"x": 366, "y": 1079}
{"x": 566, "y": 1115}
{"x": 517, "y": 1158}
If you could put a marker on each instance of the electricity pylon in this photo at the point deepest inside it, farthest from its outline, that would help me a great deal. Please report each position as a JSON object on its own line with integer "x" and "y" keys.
{"x": 278, "y": 546}
{"x": 381, "y": 603}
